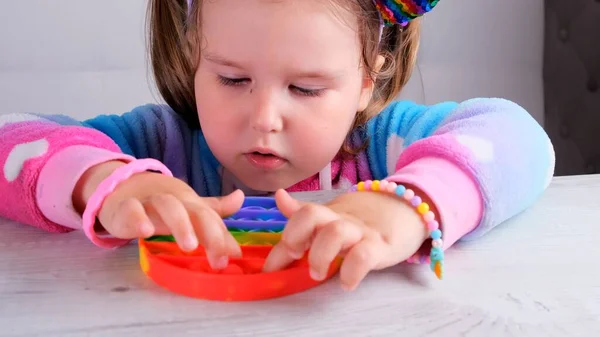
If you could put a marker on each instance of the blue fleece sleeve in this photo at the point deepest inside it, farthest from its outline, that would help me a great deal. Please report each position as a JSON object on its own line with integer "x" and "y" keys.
{"x": 156, "y": 131}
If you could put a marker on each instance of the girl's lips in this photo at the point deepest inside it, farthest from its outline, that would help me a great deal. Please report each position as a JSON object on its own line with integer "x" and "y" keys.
{"x": 265, "y": 161}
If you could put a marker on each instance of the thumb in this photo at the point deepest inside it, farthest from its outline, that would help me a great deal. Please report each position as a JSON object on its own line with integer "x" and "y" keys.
{"x": 286, "y": 204}
{"x": 227, "y": 205}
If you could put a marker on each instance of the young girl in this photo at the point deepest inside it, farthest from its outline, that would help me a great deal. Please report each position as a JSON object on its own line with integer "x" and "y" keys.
{"x": 282, "y": 96}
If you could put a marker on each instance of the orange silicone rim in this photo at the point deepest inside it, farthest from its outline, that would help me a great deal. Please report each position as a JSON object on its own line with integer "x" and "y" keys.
{"x": 190, "y": 275}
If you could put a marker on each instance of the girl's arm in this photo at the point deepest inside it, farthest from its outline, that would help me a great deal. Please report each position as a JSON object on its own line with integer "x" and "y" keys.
{"x": 481, "y": 161}
{"x": 43, "y": 158}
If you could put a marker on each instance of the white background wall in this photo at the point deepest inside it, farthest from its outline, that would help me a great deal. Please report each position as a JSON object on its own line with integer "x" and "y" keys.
{"x": 489, "y": 48}
{"x": 77, "y": 57}
{"x": 86, "y": 57}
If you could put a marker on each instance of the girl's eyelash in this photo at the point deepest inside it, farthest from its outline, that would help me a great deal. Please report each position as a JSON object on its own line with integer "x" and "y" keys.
{"x": 236, "y": 82}
{"x": 233, "y": 82}
{"x": 307, "y": 92}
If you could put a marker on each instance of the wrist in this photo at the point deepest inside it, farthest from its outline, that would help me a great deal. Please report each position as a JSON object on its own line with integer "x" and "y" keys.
{"x": 421, "y": 209}
{"x": 99, "y": 183}
{"x": 393, "y": 216}
{"x": 89, "y": 181}
{"x": 410, "y": 220}
{"x": 411, "y": 208}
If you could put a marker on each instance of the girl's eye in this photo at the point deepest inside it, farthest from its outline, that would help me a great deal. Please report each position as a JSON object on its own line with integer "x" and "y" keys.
{"x": 236, "y": 82}
{"x": 307, "y": 92}
{"x": 233, "y": 82}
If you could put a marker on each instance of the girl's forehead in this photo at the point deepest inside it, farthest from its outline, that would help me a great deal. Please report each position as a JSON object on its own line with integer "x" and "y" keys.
{"x": 314, "y": 29}
{"x": 278, "y": 13}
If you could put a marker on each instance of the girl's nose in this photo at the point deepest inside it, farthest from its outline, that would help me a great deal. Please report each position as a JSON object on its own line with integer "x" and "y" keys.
{"x": 266, "y": 117}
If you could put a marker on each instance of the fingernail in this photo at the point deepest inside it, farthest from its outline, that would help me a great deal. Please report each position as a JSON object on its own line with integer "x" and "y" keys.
{"x": 315, "y": 275}
{"x": 238, "y": 253}
{"x": 220, "y": 263}
{"x": 347, "y": 287}
{"x": 296, "y": 255}
{"x": 146, "y": 229}
{"x": 190, "y": 242}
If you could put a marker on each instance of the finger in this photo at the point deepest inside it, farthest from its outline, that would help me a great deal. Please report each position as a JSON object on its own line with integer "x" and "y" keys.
{"x": 231, "y": 246}
{"x": 209, "y": 229}
{"x": 298, "y": 231}
{"x": 328, "y": 243}
{"x": 174, "y": 215}
{"x": 297, "y": 234}
{"x": 130, "y": 221}
{"x": 286, "y": 204}
{"x": 227, "y": 205}
{"x": 278, "y": 259}
{"x": 360, "y": 260}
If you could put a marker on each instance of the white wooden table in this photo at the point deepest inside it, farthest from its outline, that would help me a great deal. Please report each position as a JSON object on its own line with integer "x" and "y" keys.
{"x": 536, "y": 275}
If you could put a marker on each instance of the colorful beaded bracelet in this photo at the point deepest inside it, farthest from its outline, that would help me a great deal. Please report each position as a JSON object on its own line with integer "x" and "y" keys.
{"x": 436, "y": 257}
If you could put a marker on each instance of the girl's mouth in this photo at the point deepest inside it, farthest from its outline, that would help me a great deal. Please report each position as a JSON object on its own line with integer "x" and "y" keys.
{"x": 265, "y": 160}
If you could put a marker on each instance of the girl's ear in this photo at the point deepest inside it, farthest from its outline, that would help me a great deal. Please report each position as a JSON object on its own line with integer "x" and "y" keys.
{"x": 369, "y": 85}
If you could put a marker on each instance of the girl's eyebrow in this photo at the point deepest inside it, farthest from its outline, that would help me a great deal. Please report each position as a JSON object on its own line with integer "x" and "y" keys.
{"x": 319, "y": 75}
{"x": 217, "y": 59}
{"x": 313, "y": 74}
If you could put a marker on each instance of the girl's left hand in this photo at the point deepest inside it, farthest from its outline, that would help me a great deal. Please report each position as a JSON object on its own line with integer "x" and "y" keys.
{"x": 371, "y": 230}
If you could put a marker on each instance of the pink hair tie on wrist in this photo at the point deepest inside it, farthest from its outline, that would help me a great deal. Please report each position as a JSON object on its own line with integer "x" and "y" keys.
{"x": 106, "y": 187}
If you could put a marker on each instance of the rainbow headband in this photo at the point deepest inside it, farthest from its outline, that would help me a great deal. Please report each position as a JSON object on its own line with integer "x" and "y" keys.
{"x": 403, "y": 11}
{"x": 394, "y": 12}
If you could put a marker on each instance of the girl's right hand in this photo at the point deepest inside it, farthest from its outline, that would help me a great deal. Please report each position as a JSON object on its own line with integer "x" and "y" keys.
{"x": 150, "y": 204}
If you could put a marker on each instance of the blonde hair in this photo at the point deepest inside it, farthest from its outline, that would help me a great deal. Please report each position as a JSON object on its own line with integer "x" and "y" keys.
{"x": 174, "y": 48}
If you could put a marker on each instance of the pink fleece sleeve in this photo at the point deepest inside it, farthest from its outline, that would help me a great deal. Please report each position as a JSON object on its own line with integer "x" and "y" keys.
{"x": 57, "y": 181}
{"x": 27, "y": 144}
{"x": 453, "y": 192}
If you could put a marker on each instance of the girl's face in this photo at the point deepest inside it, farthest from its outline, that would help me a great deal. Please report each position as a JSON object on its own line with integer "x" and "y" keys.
{"x": 278, "y": 86}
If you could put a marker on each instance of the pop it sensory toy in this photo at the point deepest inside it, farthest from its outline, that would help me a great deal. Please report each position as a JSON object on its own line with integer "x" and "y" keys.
{"x": 257, "y": 227}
